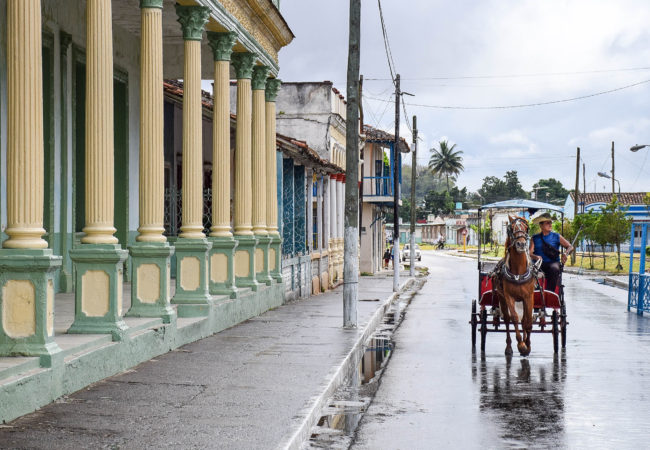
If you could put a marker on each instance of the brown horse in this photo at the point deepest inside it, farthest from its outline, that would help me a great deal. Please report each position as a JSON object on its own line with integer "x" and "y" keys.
{"x": 516, "y": 283}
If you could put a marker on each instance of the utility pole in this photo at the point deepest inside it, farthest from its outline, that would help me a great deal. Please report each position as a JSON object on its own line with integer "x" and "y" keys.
{"x": 576, "y": 196}
{"x": 396, "y": 155}
{"x": 351, "y": 224}
{"x": 613, "y": 175}
{"x": 414, "y": 168}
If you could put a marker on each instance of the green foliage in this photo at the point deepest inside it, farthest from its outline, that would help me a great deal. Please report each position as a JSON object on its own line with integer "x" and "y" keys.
{"x": 483, "y": 231}
{"x": 551, "y": 191}
{"x": 615, "y": 225}
{"x": 425, "y": 182}
{"x": 405, "y": 211}
{"x": 439, "y": 202}
{"x": 495, "y": 189}
{"x": 445, "y": 161}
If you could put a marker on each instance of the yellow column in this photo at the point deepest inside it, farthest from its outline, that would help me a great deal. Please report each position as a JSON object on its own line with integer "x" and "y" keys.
{"x": 24, "y": 126}
{"x": 99, "y": 227}
{"x": 243, "y": 63}
{"x": 152, "y": 180}
{"x": 221, "y": 44}
{"x": 192, "y": 19}
{"x": 259, "y": 150}
{"x": 272, "y": 86}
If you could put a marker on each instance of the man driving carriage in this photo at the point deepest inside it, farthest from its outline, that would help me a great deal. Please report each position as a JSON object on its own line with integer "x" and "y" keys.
{"x": 545, "y": 245}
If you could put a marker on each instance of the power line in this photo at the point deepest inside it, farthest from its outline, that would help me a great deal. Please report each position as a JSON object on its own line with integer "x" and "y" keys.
{"x": 523, "y": 75}
{"x": 389, "y": 55}
{"x": 525, "y": 105}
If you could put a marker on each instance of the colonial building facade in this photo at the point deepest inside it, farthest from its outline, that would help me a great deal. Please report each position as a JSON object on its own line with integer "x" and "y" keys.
{"x": 86, "y": 170}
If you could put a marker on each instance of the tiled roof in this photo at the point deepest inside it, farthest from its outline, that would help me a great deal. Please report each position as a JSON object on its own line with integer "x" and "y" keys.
{"x": 375, "y": 134}
{"x": 625, "y": 198}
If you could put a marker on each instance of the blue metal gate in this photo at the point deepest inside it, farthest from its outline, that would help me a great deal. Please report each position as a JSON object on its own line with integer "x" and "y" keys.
{"x": 638, "y": 295}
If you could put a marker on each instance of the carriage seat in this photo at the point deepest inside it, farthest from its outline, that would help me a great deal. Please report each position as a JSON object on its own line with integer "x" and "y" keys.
{"x": 552, "y": 297}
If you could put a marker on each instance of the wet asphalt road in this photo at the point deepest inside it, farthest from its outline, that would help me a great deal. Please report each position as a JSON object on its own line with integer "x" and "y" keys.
{"x": 437, "y": 393}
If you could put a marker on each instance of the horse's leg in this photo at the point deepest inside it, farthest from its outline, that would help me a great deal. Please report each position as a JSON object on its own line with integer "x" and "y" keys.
{"x": 510, "y": 300}
{"x": 506, "y": 320}
{"x": 527, "y": 325}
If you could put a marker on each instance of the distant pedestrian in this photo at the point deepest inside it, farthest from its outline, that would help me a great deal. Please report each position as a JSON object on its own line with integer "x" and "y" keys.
{"x": 386, "y": 258}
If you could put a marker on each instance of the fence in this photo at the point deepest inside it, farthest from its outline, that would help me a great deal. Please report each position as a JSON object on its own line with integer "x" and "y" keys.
{"x": 638, "y": 295}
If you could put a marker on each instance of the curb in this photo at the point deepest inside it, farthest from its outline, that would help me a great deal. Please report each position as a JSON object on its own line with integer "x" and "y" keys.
{"x": 338, "y": 375}
{"x": 616, "y": 283}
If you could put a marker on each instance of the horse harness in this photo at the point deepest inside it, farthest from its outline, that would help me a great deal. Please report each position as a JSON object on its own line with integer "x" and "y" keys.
{"x": 517, "y": 230}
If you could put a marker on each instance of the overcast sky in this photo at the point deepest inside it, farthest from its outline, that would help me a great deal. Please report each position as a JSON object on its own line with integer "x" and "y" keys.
{"x": 515, "y": 52}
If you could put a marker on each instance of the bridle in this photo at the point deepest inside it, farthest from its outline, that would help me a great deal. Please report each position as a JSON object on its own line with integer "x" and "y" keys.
{"x": 517, "y": 230}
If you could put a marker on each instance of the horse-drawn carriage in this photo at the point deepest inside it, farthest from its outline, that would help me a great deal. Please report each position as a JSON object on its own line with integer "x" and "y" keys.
{"x": 512, "y": 282}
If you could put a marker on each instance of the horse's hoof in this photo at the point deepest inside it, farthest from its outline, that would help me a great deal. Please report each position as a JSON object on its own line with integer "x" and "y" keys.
{"x": 523, "y": 349}
{"x": 508, "y": 351}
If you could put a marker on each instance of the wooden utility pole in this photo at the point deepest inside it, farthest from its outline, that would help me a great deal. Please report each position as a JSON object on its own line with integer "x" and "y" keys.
{"x": 351, "y": 224}
{"x": 414, "y": 168}
{"x": 576, "y": 197}
{"x": 584, "y": 182}
{"x": 613, "y": 175}
{"x": 396, "y": 155}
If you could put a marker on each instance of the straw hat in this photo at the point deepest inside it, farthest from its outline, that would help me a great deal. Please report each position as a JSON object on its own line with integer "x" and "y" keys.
{"x": 542, "y": 217}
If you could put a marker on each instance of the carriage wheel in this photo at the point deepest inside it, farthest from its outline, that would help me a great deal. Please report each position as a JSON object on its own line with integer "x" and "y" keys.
{"x": 555, "y": 331}
{"x": 563, "y": 325}
{"x": 484, "y": 329}
{"x": 474, "y": 323}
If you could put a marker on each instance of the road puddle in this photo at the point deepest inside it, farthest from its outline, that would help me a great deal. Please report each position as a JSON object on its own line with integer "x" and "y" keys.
{"x": 340, "y": 418}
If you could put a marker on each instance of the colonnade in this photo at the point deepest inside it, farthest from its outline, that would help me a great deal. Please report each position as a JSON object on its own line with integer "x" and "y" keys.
{"x": 336, "y": 200}
{"x": 222, "y": 263}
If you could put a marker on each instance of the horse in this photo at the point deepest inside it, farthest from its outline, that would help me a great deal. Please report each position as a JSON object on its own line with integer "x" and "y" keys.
{"x": 515, "y": 282}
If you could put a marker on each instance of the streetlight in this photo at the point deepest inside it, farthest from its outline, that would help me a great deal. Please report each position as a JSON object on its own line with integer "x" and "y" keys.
{"x": 606, "y": 175}
{"x": 636, "y": 148}
{"x": 538, "y": 188}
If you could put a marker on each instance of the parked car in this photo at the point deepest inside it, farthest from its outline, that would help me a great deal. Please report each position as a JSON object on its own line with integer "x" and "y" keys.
{"x": 406, "y": 252}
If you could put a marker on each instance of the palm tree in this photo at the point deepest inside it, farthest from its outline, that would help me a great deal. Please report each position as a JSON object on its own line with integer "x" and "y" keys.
{"x": 445, "y": 161}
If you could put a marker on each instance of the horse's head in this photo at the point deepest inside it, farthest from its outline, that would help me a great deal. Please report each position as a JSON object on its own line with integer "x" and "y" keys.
{"x": 518, "y": 233}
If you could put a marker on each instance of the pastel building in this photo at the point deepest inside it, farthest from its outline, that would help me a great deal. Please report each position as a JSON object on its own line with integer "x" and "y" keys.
{"x": 381, "y": 166}
{"x": 94, "y": 162}
{"x": 314, "y": 112}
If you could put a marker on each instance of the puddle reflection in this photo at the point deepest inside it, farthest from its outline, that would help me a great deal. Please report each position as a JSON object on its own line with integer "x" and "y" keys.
{"x": 523, "y": 397}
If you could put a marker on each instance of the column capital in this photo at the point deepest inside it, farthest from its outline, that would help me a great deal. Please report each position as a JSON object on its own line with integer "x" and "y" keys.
{"x": 272, "y": 88}
{"x": 192, "y": 20}
{"x": 221, "y": 44}
{"x": 259, "y": 78}
{"x": 243, "y": 63}
{"x": 151, "y": 4}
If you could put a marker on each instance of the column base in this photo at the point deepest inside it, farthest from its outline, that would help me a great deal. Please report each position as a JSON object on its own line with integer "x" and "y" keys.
{"x": 262, "y": 267}
{"x": 150, "y": 290}
{"x": 245, "y": 262}
{"x": 27, "y": 304}
{"x": 192, "y": 294}
{"x": 275, "y": 258}
{"x": 222, "y": 266}
{"x": 98, "y": 294}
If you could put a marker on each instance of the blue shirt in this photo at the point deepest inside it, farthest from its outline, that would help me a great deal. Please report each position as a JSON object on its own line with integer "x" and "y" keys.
{"x": 552, "y": 239}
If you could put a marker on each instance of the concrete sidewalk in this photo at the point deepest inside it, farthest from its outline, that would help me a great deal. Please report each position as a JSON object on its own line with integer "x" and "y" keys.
{"x": 259, "y": 384}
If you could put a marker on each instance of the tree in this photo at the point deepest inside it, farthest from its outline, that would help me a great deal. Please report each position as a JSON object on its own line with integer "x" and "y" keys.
{"x": 513, "y": 186}
{"x": 552, "y": 189}
{"x": 588, "y": 223}
{"x": 426, "y": 182}
{"x": 445, "y": 161}
{"x": 615, "y": 226}
{"x": 493, "y": 189}
{"x": 439, "y": 202}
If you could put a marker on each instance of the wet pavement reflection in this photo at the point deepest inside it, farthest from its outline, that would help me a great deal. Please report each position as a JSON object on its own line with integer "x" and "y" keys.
{"x": 526, "y": 400}
{"x": 437, "y": 392}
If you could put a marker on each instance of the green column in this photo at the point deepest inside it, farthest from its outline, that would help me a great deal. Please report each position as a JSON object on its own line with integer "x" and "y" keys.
{"x": 222, "y": 254}
{"x": 192, "y": 294}
{"x": 150, "y": 255}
